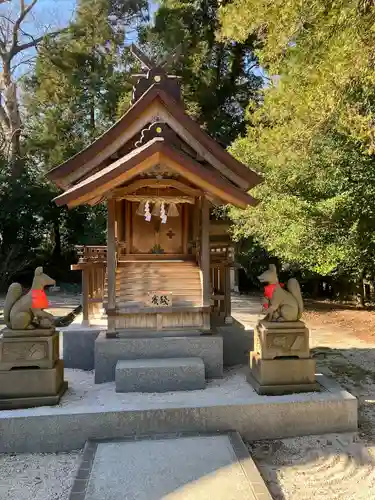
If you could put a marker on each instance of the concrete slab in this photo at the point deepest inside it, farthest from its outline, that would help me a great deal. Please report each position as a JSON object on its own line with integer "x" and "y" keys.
{"x": 160, "y": 375}
{"x": 178, "y": 468}
{"x": 90, "y": 411}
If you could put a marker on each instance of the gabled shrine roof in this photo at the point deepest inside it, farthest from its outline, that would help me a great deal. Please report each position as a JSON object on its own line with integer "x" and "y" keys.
{"x": 95, "y": 156}
{"x": 154, "y": 152}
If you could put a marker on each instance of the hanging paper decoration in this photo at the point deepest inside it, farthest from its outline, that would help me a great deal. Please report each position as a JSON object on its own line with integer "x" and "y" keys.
{"x": 172, "y": 210}
{"x": 163, "y": 215}
{"x": 141, "y": 208}
{"x": 147, "y": 211}
{"x": 156, "y": 209}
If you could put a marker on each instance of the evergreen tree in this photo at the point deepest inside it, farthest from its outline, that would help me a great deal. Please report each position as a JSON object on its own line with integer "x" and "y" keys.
{"x": 314, "y": 136}
{"x": 70, "y": 99}
{"x": 218, "y": 79}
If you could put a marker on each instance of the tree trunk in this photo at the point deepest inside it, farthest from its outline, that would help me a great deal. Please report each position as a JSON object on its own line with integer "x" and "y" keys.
{"x": 13, "y": 41}
{"x": 57, "y": 237}
{"x": 361, "y": 291}
{"x": 15, "y": 159}
{"x": 236, "y": 66}
{"x": 315, "y": 288}
{"x": 10, "y": 119}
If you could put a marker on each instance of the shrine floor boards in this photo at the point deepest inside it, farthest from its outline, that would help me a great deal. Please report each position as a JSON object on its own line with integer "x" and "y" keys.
{"x": 184, "y": 467}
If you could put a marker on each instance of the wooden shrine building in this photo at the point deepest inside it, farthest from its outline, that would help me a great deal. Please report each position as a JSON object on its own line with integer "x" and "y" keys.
{"x": 166, "y": 263}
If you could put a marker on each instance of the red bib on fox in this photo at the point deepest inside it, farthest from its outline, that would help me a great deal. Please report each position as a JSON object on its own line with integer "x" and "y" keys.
{"x": 39, "y": 299}
{"x": 268, "y": 292}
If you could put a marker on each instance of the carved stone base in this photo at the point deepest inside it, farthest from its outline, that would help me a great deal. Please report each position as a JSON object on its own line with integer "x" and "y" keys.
{"x": 282, "y": 376}
{"x": 29, "y": 351}
{"x": 32, "y": 402}
{"x": 275, "y": 340}
{"x": 38, "y": 332}
{"x": 32, "y": 383}
{"x": 279, "y": 390}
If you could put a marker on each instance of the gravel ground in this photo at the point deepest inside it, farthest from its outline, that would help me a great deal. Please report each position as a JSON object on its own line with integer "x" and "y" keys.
{"x": 329, "y": 467}
{"x": 326, "y": 467}
{"x": 37, "y": 476}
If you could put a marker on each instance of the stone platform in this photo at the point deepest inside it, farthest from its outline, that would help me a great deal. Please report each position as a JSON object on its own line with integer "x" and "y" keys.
{"x": 95, "y": 411}
{"x": 214, "y": 466}
{"x": 78, "y": 343}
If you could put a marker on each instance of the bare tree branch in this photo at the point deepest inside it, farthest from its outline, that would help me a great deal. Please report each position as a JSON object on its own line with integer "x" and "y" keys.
{"x": 13, "y": 41}
{"x": 35, "y": 41}
{"x": 16, "y": 27}
{"x": 23, "y": 62}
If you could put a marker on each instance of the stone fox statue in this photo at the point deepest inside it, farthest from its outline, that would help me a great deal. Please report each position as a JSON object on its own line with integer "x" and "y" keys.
{"x": 284, "y": 305}
{"x": 25, "y": 312}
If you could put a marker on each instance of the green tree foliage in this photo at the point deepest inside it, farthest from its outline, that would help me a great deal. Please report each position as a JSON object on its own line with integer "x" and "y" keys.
{"x": 314, "y": 136}
{"x": 218, "y": 79}
{"x": 323, "y": 52}
{"x": 70, "y": 98}
{"x": 25, "y": 215}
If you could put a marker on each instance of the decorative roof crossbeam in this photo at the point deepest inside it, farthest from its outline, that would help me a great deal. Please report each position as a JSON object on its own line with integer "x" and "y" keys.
{"x": 156, "y": 75}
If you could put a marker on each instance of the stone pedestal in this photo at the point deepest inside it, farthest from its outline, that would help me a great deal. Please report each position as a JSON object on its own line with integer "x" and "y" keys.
{"x": 29, "y": 352}
{"x": 285, "y": 339}
{"x": 281, "y": 362}
{"x": 31, "y": 373}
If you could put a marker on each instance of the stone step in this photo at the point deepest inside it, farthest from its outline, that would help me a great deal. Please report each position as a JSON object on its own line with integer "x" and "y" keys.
{"x": 160, "y": 375}
{"x": 108, "y": 352}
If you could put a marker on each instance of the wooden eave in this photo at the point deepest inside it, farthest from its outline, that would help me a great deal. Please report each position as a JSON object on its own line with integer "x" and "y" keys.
{"x": 100, "y": 150}
{"x": 145, "y": 157}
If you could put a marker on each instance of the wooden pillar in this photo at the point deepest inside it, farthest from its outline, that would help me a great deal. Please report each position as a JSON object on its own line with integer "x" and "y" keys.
{"x": 196, "y": 219}
{"x": 122, "y": 205}
{"x": 185, "y": 228}
{"x": 85, "y": 297}
{"x": 128, "y": 220}
{"x": 205, "y": 251}
{"x": 118, "y": 220}
{"x": 227, "y": 296}
{"x": 111, "y": 253}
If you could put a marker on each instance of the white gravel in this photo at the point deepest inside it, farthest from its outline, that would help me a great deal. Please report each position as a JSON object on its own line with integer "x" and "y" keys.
{"x": 329, "y": 467}
{"x": 38, "y": 476}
